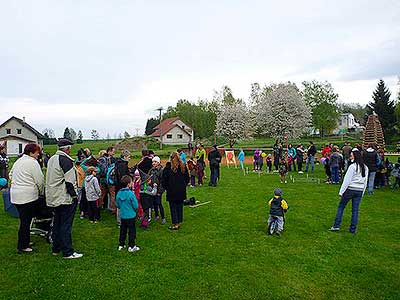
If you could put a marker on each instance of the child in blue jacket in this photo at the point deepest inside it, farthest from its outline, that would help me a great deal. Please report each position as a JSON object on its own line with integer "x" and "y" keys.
{"x": 128, "y": 206}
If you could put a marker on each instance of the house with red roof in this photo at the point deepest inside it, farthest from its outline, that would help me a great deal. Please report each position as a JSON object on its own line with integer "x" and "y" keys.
{"x": 173, "y": 131}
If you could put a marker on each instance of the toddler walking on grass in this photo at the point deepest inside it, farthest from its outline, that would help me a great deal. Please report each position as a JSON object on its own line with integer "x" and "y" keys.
{"x": 93, "y": 192}
{"x": 277, "y": 209}
{"x": 128, "y": 206}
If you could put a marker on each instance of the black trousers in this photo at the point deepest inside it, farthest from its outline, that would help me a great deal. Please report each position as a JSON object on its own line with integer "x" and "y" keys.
{"x": 93, "y": 211}
{"x": 157, "y": 204}
{"x": 299, "y": 164}
{"x": 83, "y": 204}
{"x": 26, "y": 213}
{"x": 176, "y": 209}
{"x": 127, "y": 225}
{"x": 62, "y": 229}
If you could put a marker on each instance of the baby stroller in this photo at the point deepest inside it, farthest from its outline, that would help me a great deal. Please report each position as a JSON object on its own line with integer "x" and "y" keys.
{"x": 42, "y": 222}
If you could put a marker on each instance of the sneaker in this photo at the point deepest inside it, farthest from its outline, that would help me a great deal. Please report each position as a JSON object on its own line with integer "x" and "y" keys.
{"x": 164, "y": 221}
{"x": 121, "y": 248}
{"x": 301, "y": 172}
{"x": 74, "y": 255}
{"x": 55, "y": 253}
{"x": 157, "y": 218}
{"x": 81, "y": 217}
{"x": 133, "y": 249}
{"x": 285, "y": 181}
{"x": 334, "y": 229}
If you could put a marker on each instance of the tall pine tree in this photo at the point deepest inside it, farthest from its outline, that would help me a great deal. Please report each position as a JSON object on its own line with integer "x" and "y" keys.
{"x": 384, "y": 108}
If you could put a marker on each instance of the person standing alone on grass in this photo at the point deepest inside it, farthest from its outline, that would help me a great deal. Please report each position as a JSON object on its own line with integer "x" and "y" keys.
{"x": 353, "y": 188}
{"x": 277, "y": 209}
{"x": 214, "y": 157}
{"x": 241, "y": 159}
{"x": 61, "y": 194}
{"x": 128, "y": 206}
{"x": 311, "y": 156}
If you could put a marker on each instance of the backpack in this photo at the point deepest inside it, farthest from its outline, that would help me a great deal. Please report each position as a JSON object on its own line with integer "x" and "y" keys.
{"x": 103, "y": 165}
{"x": 110, "y": 175}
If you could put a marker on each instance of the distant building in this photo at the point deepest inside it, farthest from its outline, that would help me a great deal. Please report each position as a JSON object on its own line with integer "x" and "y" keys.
{"x": 15, "y": 133}
{"x": 346, "y": 123}
{"x": 173, "y": 131}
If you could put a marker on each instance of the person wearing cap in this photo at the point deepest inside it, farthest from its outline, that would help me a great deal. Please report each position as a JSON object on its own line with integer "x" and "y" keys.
{"x": 156, "y": 175}
{"x": 61, "y": 194}
{"x": 27, "y": 183}
{"x": 353, "y": 187}
{"x": 277, "y": 209}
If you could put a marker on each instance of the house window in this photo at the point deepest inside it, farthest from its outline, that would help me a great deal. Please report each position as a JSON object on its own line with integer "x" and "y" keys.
{"x": 19, "y": 148}
{"x": 19, "y": 131}
{"x": 8, "y": 131}
{"x": 169, "y": 136}
{"x": 180, "y": 136}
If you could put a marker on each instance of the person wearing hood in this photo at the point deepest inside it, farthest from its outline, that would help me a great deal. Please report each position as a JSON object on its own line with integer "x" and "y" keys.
{"x": 127, "y": 205}
{"x": 93, "y": 193}
{"x": 214, "y": 157}
{"x": 371, "y": 160}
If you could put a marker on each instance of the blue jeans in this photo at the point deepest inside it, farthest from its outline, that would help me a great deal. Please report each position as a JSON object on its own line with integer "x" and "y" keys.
{"x": 371, "y": 181}
{"x": 213, "y": 176}
{"x": 335, "y": 174}
{"x": 310, "y": 160}
{"x": 348, "y": 195}
{"x": 241, "y": 164}
{"x": 62, "y": 229}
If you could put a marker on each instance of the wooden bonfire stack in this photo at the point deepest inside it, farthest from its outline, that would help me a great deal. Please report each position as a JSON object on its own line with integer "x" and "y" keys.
{"x": 373, "y": 132}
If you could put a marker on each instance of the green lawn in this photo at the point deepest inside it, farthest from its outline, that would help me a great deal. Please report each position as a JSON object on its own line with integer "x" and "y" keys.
{"x": 222, "y": 250}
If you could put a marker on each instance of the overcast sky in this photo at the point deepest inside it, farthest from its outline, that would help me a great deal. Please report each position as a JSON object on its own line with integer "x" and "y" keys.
{"x": 107, "y": 65}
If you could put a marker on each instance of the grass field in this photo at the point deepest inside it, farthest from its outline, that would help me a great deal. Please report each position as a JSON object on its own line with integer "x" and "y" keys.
{"x": 222, "y": 250}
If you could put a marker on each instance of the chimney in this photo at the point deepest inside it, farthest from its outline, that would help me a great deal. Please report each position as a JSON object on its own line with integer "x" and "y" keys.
{"x": 23, "y": 118}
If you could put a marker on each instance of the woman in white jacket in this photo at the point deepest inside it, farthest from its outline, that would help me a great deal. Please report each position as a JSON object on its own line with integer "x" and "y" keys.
{"x": 353, "y": 188}
{"x": 27, "y": 183}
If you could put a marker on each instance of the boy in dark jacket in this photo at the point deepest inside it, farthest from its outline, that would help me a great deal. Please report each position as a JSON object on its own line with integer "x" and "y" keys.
{"x": 128, "y": 206}
{"x": 156, "y": 174}
{"x": 277, "y": 208}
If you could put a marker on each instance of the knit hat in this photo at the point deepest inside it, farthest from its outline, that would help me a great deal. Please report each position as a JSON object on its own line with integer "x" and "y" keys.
{"x": 156, "y": 158}
{"x": 278, "y": 192}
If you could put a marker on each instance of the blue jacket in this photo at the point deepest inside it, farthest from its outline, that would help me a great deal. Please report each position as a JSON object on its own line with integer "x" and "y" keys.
{"x": 127, "y": 203}
{"x": 183, "y": 157}
{"x": 241, "y": 156}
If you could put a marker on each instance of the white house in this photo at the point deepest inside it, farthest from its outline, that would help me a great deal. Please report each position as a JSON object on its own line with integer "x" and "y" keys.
{"x": 347, "y": 122}
{"x": 173, "y": 131}
{"x": 15, "y": 134}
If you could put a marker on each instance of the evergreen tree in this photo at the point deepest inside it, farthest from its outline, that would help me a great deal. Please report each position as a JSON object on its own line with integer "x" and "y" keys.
{"x": 79, "y": 139}
{"x": 151, "y": 123}
{"x": 384, "y": 108}
{"x": 67, "y": 134}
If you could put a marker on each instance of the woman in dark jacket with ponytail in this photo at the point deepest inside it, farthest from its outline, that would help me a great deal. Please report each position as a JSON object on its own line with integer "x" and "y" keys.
{"x": 175, "y": 178}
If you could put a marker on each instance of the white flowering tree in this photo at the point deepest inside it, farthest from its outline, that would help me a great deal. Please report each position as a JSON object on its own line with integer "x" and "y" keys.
{"x": 233, "y": 121}
{"x": 281, "y": 110}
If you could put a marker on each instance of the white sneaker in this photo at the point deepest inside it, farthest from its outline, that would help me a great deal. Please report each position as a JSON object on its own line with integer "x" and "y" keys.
{"x": 74, "y": 255}
{"x": 133, "y": 249}
{"x": 300, "y": 172}
{"x": 121, "y": 248}
{"x": 334, "y": 229}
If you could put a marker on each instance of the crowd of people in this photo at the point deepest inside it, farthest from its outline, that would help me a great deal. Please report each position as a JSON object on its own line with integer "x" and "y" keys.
{"x": 134, "y": 193}
{"x": 94, "y": 184}
{"x": 334, "y": 159}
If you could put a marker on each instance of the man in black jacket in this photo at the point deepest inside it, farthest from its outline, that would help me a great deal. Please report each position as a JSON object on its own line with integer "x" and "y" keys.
{"x": 214, "y": 157}
{"x": 311, "y": 156}
{"x": 371, "y": 159}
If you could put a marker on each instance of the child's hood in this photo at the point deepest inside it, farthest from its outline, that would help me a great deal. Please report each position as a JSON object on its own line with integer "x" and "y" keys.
{"x": 89, "y": 178}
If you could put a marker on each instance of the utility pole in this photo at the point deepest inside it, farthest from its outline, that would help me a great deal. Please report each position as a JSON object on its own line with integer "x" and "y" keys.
{"x": 160, "y": 109}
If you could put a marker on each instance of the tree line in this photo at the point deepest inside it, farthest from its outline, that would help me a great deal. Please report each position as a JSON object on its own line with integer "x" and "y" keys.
{"x": 277, "y": 110}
